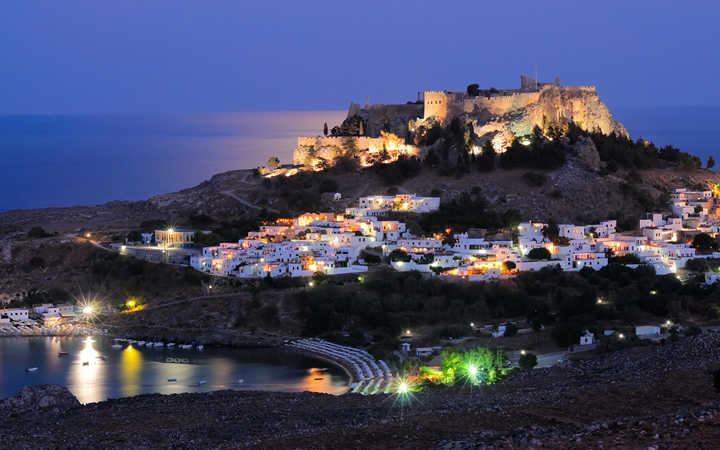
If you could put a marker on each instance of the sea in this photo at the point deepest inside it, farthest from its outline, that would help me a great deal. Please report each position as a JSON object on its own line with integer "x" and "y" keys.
{"x": 93, "y": 370}
{"x": 67, "y": 160}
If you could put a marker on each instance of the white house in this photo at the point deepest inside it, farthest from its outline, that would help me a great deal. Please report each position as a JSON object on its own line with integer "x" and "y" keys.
{"x": 587, "y": 338}
{"x": 15, "y": 314}
{"x": 644, "y": 331}
{"x": 712, "y": 277}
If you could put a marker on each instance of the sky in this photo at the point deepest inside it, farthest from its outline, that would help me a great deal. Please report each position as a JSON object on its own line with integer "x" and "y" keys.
{"x": 189, "y": 56}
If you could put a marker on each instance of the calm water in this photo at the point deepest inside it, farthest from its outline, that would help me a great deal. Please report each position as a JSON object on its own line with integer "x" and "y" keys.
{"x": 137, "y": 370}
{"x": 74, "y": 160}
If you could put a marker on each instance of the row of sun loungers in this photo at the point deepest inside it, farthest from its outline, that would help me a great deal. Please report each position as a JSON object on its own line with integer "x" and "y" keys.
{"x": 373, "y": 376}
{"x": 27, "y": 329}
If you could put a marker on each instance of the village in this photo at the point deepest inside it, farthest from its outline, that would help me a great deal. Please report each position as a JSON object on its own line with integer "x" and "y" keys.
{"x": 334, "y": 243}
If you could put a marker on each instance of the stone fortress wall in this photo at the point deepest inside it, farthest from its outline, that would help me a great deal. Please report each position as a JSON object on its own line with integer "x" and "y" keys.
{"x": 497, "y": 115}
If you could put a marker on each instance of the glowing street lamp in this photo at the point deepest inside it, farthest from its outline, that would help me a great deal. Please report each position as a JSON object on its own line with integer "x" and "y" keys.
{"x": 621, "y": 336}
{"x": 472, "y": 370}
{"x": 407, "y": 332}
{"x": 523, "y": 352}
{"x": 87, "y": 310}
{"x": 403, "y": 388}
{"x": 130, "y": 303}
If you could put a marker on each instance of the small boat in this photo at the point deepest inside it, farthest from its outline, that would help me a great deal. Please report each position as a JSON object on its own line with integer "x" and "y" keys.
{"x": 117, "y": 346}
{"x": 158, "y": 344}
{"x": 140, "y": 342}
{"x": 172, "y": 380}
{"x": 171, "y": 344}
{"x": 201, "y": 382}
{"x": 148, "y": 344}
{"x": 200, "y": 347}
{"x": 63, "y": 353}
{"x": 185, "y": 346}
{"x": 86, "y": 363}
{"x": 31, "y": 369}
{"x": 318, "y": 378}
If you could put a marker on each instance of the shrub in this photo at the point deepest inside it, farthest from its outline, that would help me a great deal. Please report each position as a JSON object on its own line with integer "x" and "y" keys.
{"x": 38, "y": 232}
{"x": 527, "y": 361}
{"x": 534, "y": 179}
{"x": 510, "y": 330}
{"x": 328, "y": 185}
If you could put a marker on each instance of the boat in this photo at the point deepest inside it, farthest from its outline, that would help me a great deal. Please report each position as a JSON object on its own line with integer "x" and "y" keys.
{"x": 86, "y": 363}
{"x": 201, "y": 382}
{"x": 117, "y": 346}
{"x": 31, "y": 369}
{"x": 172, "y": 380}
{"x": 171, "y": 344}
{"x": 140, "y": 342}
{"x": 200, "y": 347}
{"x": 63, "y": 353}
{"x": 148, "y": 344}
{"x": 185, "y": 346}
{"x": 318, "y": 378}
{"x": 158, "y": 344}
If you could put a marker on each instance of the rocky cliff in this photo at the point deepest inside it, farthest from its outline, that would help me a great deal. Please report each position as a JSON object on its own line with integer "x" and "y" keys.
{"x": 502, "y": 117}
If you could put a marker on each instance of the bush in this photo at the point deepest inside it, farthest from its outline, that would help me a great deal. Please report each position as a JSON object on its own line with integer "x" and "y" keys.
{"x": 38, "y": 232}
{"x": 534, "y": 179}
{"x": 527, "y": 361}
{"x": 328, "y": 185}
{"x": 510, "y": 330}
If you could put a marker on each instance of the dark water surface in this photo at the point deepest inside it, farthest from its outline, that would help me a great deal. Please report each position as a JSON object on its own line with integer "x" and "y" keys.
{"x": 77, "y": 160}
{"x": 135, "y": 370}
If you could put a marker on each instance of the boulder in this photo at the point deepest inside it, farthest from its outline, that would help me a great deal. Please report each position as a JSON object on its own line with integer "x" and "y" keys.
{"x": 39, "y": 397}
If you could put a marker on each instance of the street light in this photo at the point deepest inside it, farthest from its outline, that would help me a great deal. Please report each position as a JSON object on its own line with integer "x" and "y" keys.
{"x": 87, "y": 310}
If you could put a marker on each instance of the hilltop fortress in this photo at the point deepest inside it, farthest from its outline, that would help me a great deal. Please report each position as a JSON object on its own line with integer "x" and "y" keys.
{"x": 496, "y": 115}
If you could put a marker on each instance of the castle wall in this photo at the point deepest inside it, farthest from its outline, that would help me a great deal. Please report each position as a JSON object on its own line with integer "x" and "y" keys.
{"x": 435, "y": 105}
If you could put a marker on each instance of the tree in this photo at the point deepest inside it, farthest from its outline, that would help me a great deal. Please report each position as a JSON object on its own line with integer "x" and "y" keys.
{"x": 539, "y": 253}
{"x": 509, "y": 265}
{"x": 710, "y": 162}
{"x": 704, "y": 241}
{"x": 527, "y": 361}
{"x": 273, "y": 162}
{"x": 510, "y": 330}
{"x": 473, "y": 90}
{"x": 325, "y": 129}
{"x": 134, "y": 236}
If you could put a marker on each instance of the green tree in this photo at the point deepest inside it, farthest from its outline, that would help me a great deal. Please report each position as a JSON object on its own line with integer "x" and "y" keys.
{"x": 704, "y": 241}
{"x": 539, "y": 253}
{"x": 325, "y": 129}
{"x": 509, "y": 265}
{"x": 273, "y": 162}
{"x": 527, "y": 361}
{"x": 473, "y": 90}
{"x": 710, "y": 162}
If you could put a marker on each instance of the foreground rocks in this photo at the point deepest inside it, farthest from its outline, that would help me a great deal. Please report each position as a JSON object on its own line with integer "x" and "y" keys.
{"x": 43, "y": 397}
{"x": 659, "y": 396}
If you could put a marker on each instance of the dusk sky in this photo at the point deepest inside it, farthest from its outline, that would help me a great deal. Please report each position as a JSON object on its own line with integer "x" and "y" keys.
{"x": 137, "y": 56}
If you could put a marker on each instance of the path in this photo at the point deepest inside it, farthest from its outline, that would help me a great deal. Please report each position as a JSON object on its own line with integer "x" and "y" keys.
{"x": 232, "y": 195}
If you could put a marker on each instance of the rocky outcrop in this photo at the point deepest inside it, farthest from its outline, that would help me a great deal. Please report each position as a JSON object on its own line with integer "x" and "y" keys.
{"x": 518, "y": 114}
{"x": 39, "y": 397}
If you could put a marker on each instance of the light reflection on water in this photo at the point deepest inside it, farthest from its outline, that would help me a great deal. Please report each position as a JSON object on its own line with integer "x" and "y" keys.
{"x": 94, "y": 371}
